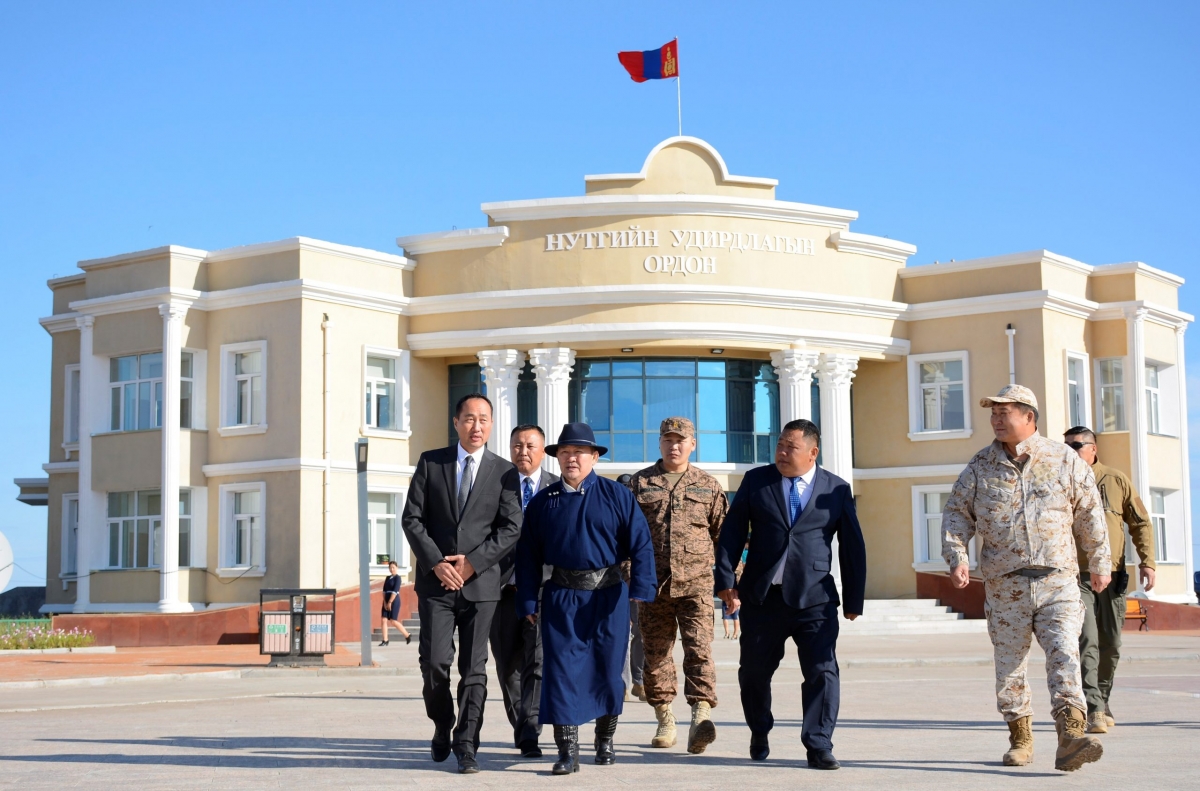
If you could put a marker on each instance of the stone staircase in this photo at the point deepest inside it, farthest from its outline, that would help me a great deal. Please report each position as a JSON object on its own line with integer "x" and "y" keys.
{"x": 413, "y": 625}
{"x": 910, "y": 616}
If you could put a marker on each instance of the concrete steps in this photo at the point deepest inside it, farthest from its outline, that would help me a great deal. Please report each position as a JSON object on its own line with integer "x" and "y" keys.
{"x": 911, "y": 616}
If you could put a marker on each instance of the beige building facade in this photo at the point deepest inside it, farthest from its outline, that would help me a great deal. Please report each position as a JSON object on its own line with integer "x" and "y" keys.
{"x": 206, "y": 404}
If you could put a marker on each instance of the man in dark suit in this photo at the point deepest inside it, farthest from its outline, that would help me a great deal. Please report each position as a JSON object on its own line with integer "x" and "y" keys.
{"x": 462, "y": 516}
{"x": 517, "y": 643}
{"x": 791, "y": 512}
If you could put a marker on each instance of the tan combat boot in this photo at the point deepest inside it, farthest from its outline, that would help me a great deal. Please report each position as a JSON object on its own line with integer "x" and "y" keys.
{"x": 1020, "y": 742}
{"x": 1097, "y": 722}
{"x": 638, "y": 692}
{"x": 1108, "y": 717}
{"x": 1075, "y": 748}
{"x": 703, "y": 732}
{"x": 665, "y": 735}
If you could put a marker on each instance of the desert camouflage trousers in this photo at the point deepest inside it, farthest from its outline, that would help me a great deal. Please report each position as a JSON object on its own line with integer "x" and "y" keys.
{"x": 693, "y": 617}
{"x": 1019, "y": 609}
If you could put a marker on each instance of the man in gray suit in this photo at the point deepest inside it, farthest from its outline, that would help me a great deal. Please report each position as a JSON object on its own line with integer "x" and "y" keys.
{"x": 462, "y": 516}
{"x": 517, "y": 643}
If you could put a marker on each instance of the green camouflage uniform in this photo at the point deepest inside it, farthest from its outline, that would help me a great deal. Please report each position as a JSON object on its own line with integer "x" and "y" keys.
{"x": 1029, "y": 516}
{"x": 684, "y": 522}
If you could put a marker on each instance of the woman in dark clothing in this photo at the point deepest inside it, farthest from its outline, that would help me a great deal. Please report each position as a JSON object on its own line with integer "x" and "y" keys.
{"x": 391, "y": 603}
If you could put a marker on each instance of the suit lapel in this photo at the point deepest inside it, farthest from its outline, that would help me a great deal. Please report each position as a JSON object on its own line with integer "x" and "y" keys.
{"x": 487, "y": 467}
{"x": 449, "y": 471}
{"x": 812, "y": 496}
{"x": 777, "y": 493}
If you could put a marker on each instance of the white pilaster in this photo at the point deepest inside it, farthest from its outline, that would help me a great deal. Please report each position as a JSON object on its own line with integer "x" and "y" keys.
{"x": 501, "y": 370}
{"x": 834, "y": 374}
{"x": 795, "y": 368}
{"x": 92, "y": 401}
{"x": 1181, "y": 377}
{"x": 172, "y": 315}
{"x": 1135, "y": 398}
{"x": 553, "y": 370}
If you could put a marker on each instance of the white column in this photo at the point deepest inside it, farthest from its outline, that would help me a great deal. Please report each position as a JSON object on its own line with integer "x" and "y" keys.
{"x": 553, "y": 370}
{"x": 1181, "y": 378}
{"x": 795, "y": 368}
{"x": 92, "y": 402}
{"x": 501, "y": 370}
{"x": 1135, "y": 399}
{"x": 172, "y": 315}
{"x": 835, "y": 372}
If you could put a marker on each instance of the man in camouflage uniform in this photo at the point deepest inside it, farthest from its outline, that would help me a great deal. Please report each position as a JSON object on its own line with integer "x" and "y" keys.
{"x": 684, "y": 507}
{"x": 1030, "y": 501}
{"x": 1104, "y": 611}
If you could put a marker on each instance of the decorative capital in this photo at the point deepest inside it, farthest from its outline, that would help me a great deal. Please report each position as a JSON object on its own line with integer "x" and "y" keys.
{"x": 85, "y": 322}
{"x": 1137, "y": 313}
{"x": 172, "y": 311}
{"x": 552, "y": 365}
{"x": 795, "y": 365}
{"x": 501, "y": 363}
{"x": 837, "y": 369}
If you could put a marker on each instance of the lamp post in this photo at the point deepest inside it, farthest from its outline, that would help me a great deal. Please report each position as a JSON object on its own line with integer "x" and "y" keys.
{"x": 364, "y": 554}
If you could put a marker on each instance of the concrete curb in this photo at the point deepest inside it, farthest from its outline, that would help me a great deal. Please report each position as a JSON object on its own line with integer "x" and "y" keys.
{"x": 256, "y": 672}
{"x": 973, "y": 661}
{"x": 327, "y": 672}
{"x": 90, "y": 649}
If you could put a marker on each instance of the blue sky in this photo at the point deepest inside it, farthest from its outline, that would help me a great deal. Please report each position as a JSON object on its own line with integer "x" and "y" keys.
{"x": 967, "y": 129}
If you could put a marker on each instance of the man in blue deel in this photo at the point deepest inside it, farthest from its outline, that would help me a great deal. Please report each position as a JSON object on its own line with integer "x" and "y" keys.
{"x": 584, "y": 526}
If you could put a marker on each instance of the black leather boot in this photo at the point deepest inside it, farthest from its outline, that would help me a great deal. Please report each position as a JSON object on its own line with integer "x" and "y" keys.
{"x": 567, "y": 739}
{"x": 606, "y": 728}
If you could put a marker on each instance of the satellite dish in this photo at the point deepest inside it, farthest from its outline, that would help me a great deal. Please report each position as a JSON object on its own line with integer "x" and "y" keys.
{"x": 6, "y": 562}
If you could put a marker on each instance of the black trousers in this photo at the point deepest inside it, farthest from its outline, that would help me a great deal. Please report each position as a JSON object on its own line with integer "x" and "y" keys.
{"x": 766, "y": 629}
{"x": 440, "y": 616}
{"x": 517, "y": 648}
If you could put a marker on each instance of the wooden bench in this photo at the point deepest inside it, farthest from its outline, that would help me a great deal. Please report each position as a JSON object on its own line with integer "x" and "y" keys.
{"x": 1134, "y": 611}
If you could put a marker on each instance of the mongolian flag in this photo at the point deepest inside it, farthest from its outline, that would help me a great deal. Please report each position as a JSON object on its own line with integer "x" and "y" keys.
{"x": 652, "y": 64}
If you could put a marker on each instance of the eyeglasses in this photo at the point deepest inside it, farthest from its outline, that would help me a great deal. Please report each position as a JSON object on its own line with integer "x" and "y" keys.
{"x": 1080, "y": 445}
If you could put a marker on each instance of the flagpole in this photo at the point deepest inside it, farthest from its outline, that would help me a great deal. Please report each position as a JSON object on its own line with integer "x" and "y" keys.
{"x": 678, "y": 90}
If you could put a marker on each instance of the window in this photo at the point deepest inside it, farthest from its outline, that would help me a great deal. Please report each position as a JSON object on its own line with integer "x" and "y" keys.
{"x": 70, "y": 536}
{"x": 387, "y": 540}
{"x": 928, "y": 503}
{"x": 1111, "y": 375}
{"x": 244, "y": 388}
{"x": 527, "y": 398}
{"x": 186, "y": 387}
{"x": 1153, "y": 425}
{"x": 1158, "y": 520}
{"x": 385, "y": 387}
{"x": 938, "y": 394}
{"x": 243, "y": 529}
{"x": 135, "y": 392}
{"x": 1077, "y": 389}
{"x": 71, "y": 406}
{"x": 185, "y": 528}
{"x": 734, "y": 405}
{"x": 133, "y": 518}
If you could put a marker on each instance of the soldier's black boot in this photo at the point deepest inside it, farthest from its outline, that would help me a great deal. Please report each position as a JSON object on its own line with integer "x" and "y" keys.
{"x": 567, "y": 739}
{"x": 606, "y": 728}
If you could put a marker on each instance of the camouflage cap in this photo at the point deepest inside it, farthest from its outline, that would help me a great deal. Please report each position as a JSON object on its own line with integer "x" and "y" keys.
{"x": 677, "y": 425}
{"x": 1011, "y": 394}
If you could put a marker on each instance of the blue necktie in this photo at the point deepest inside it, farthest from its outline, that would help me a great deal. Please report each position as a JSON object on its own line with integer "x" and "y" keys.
{"x": 794, "y": 498}
{"x": 526, "y": 494}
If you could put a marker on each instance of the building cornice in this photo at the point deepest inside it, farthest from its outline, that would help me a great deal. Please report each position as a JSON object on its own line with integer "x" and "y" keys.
{"x": 1001, "y": 303}
{"x": 614, "y": 333}
{"x": 66, "y": 280}
{"x": 304, "y": 243}
{"x": 171, "y": 250}
{"x": 667, "y": 205}
{"x": 1010, "y": 259}
{"x": 262, "y": 466}
{"x": 1154, "y": 313}
{"x": 59, "y": 322}
{"x": 1137, "y": 267}
{"x": 465, "y": 239}
{"x": 655, "y": 293}
{"x": 135, "y": 300}
{"x": 53, "y": 467}
{"x": 876, "y": 246}
{"x": 922, "y": 471}
{"x": 725, "y": 177}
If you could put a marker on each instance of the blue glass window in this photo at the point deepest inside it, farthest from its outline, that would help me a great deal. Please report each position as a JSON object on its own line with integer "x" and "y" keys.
{"x": 734, "y": 404}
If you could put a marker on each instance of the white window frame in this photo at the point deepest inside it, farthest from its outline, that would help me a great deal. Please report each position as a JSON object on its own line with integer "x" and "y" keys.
{"x": 229, "y": 352}
{"x": 915, "y": 431}
{"x": 152, "y": 540}
{"x": 69, "y": 548}
{"x": 155, "y": 420}
{"x": 401, "y": 360}
{"x": 926, "y": 558}
{"x": 227, "y": 531}
{"x": 71, "y": 407}
{"x": 1153, "y": 397}
{"x": 1124, "y": 387}
{"x": 404, "y": 554}
{"x": 1084, "y": 387}
{"x": 199, "y": 380}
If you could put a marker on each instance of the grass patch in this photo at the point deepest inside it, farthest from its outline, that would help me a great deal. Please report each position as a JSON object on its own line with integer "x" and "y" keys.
{"x": 26, "y": 634}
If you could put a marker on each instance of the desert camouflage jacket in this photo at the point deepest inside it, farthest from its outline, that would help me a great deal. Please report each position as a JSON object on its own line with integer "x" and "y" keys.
{"x": 1030, "y": 516}
{"x": 684, "y": 523}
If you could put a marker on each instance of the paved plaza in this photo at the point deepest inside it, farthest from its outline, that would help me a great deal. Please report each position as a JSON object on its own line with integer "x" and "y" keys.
{"x": 917, "y": 712}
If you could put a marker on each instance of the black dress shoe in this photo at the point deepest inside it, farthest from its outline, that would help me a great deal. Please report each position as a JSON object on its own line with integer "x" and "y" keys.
{"x": 467, "y": 765}
{"x": 822, "y": 759}
{"x": 439, "y": 748}
{"x": 759, "y": 747}
{"x": 530, "y": 749}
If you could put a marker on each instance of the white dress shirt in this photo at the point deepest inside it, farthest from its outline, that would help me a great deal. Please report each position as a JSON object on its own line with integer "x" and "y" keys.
{"x": 534, "y": 480}
{"x": 804, "y": 485}
{"x": 458, "y": 468}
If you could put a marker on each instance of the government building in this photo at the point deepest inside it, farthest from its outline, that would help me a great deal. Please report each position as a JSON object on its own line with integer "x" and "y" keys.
{"x": 206, "y": 404}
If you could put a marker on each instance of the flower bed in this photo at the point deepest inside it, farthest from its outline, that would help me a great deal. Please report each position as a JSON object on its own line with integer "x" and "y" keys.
{"x": 18, "y": 635}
